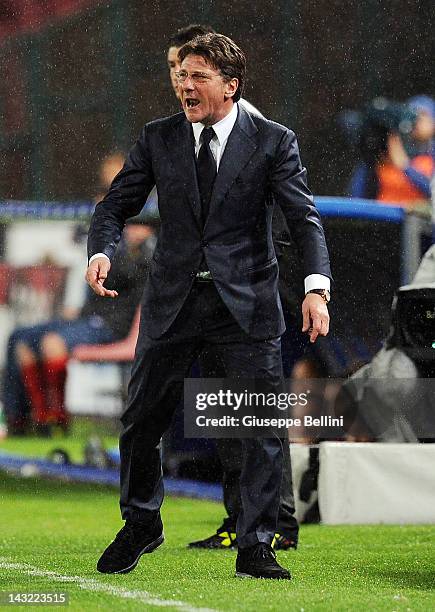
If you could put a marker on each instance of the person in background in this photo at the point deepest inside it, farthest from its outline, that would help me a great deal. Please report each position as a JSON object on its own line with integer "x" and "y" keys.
{"x": 76, "y": 288}
{"x": 109, "y": 168}
{"x": 396, "y": 146}
{"x": 424, "y": 129}
{"x": 35, "y": 368}
{"x": 42, "y": 358}
{"x": 293, "y": 345}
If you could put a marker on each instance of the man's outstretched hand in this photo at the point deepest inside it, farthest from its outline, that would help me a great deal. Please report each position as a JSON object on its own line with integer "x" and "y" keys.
{"x": 96, "y": 274}
{"x": 315, "y": 316}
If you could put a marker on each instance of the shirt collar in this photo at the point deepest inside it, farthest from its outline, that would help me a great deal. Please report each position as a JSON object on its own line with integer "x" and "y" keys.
{"x": 222, "y": 128}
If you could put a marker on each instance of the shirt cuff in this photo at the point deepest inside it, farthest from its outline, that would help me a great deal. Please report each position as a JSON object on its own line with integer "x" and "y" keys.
{"x": 98, "y": 255}
{"x": 317, "y": 281}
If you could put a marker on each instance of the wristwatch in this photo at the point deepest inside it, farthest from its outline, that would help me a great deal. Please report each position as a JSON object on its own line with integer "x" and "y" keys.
{"x": 324, "y": 293}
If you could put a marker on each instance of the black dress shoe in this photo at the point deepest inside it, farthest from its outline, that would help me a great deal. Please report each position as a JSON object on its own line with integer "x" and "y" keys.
{"x": 130, "y": 543}
{"x": 221, "y": 539}
{"x": 259, "y": 561}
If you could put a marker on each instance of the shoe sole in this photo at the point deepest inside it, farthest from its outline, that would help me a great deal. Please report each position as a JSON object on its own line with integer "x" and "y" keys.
{"x": 149, "y": 548}
{"x": 243, "y": 575}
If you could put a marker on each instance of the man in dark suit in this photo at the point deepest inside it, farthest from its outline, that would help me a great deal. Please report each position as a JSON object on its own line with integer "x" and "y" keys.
{"x": 213, "y": 284}
{"x": 293, "y": 343}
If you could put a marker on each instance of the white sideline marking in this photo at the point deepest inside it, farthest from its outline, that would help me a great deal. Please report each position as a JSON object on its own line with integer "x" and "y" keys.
{"x": 89, "y": 584}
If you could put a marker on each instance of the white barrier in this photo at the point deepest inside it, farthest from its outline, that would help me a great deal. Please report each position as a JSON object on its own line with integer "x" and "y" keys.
{"x": 6, "y": 328}
{"x": 376, "y": 483}
{"x": 94, "y": 389}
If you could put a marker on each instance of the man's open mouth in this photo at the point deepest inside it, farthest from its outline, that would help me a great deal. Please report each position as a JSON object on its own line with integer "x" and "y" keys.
{"x": 191, "y": 102}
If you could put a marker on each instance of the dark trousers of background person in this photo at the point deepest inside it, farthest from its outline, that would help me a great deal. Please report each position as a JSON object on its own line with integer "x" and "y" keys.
{"x": 156, "y": 386}
{"x": 230, "y": 449}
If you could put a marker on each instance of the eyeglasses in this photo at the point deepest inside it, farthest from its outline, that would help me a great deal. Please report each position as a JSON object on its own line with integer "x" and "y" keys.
{"x": 197, "y": 77}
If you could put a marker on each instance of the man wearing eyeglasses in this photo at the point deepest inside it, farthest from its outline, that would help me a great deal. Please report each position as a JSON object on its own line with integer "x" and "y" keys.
{"x": 293, "y": 345}
{"x": 212, "y": 283}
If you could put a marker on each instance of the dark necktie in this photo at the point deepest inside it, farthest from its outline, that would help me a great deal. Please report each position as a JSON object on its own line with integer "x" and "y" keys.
{"x": 206, "y": 166}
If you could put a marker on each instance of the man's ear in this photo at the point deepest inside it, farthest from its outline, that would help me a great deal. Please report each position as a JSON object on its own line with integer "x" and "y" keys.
{"x": 231, "y": 87}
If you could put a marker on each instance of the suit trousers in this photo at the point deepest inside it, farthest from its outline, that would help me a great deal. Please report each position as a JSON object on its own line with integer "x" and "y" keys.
{"x": 230, "y": 453}
{"x": 156, "y": 387}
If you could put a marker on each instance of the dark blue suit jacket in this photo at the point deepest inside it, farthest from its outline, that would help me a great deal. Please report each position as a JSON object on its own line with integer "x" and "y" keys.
{"x": 260, "y": 166}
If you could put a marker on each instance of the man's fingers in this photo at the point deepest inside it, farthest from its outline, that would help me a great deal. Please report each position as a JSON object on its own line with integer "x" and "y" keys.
{"x": 325, "y": 327}
{"x": 320, "y": 327}
{"x": 93, "y": 282}
{"x": 315, "y": 328}
{"x": 315, "y": 316}
{"x": 107, "y": 292}
{"x": 96, "y": 274}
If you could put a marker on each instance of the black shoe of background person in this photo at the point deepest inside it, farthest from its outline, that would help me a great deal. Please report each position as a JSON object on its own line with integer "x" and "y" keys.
{"x": 131, "y": 542}
{"x": 223, "y": 539}
{"x": 259, "y": 561}
{"x": 228, "y": 539}
{"x": 281, "y": 542}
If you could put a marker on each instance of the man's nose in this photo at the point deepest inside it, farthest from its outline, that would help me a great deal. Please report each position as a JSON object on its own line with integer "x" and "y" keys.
{"x": 188, "y": 84}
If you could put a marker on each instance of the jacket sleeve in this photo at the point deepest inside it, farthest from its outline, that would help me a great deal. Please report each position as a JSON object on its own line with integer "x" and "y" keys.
{"x": 291, "y": 193}
{"x": 419, "y": 180}
{"x": 126, "y": 197}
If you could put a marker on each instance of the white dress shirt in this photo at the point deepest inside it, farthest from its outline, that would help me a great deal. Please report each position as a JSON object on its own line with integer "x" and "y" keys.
{"x": 222, "y": 130}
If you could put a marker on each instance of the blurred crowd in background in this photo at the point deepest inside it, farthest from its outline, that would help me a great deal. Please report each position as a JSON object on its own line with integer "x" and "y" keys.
{"x": 392, "y": 149}
{"x": 395, "y": 142}
{"x": 395, "y": 167}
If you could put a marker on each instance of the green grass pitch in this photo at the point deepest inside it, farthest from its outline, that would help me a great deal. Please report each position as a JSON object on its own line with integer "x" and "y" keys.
{"x": 62, "y": 528}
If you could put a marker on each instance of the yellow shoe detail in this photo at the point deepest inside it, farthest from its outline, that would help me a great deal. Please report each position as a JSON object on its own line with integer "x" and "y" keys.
{"x": 227, "y": 538}
{"x": 275, "y": 538}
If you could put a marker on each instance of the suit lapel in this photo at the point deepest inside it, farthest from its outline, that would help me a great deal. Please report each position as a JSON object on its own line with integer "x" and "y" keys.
{"x": 238, "y": 151}
{"x": 180, "y": 144}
